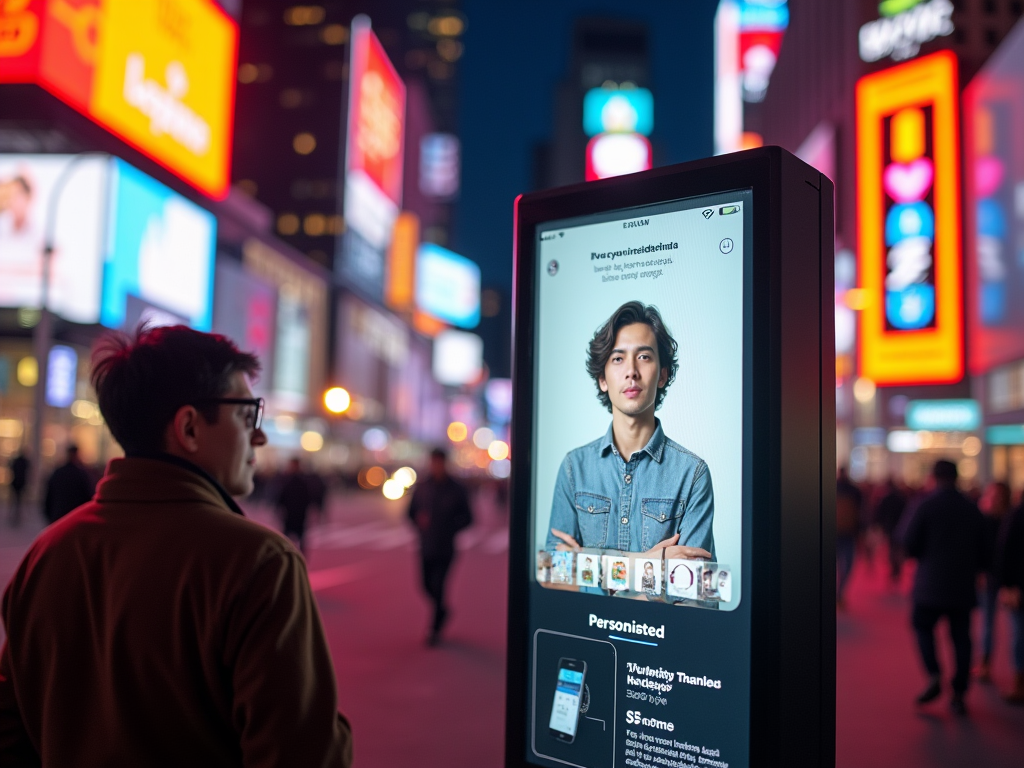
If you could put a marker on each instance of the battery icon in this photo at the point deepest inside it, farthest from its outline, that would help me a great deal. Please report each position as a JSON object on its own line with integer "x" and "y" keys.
{"x": 728, "y": 209}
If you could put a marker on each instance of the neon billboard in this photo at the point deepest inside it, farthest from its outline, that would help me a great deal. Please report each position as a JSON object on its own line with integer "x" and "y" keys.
{"x": 159, "y": 75}
{"x": 374, "y": 152}
{"x": 908, "y": 213}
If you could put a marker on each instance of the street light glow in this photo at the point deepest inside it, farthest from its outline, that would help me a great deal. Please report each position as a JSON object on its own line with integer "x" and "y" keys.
{"x": 457, "y": 431}
{"x": 337, "y": 400}
{"x": 405, "y": 475}
{"x": 311, "y": 441}
{"x": 498, "y": 450}
{"x": 393, "y": 489}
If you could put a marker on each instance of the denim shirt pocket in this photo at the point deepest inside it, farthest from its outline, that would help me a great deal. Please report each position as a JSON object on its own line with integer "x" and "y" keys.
{"x": 592, "y": 514}
{"x": 660, "y": 520}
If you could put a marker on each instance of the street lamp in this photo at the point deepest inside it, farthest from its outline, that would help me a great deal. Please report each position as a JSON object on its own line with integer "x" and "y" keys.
{"x": 42, "y": 335}
{"x": 337, "y": 400}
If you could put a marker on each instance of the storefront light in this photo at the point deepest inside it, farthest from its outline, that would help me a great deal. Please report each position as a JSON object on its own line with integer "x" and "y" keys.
{"x": 311, "y": 441}
{"x": 864, "y": 390}
{"x": 483, "y": 438}
{"x": 971, "y": 446}
{"x": 28, "y": 372}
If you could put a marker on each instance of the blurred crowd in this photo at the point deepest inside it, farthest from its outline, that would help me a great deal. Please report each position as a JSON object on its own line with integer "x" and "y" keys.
{"x": 966, "y": 548}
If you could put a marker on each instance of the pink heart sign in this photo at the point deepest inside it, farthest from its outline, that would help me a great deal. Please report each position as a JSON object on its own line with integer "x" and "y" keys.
{"x": 909, "y": 182}
{"x": 988, "y": 175}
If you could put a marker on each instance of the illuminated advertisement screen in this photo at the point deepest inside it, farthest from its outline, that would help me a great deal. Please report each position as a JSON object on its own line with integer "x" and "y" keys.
{"x": 160, "y": 255}
{"x": 636, "y": 486}
{"x": 448, "y": 286}
{"x": 373, "y": 160}
{"x": 244, "y": 310}
{"x": 158, "y": 74}
{"x": 908, "y": 212}
{"x": 994, "y": 215}
{"x": 27, "y": 187}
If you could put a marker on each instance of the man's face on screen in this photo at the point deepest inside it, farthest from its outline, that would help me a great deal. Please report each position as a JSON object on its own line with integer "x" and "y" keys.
{"x": 632, "y": 374}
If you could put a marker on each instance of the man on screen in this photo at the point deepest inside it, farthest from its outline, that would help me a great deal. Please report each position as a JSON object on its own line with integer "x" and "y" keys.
{"x": 633, "y": 489}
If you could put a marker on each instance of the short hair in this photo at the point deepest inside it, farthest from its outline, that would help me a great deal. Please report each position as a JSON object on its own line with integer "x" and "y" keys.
{"x": 142, "y": 379}
{"x": 944, "y": 471}
{"x": 603, "y": 343}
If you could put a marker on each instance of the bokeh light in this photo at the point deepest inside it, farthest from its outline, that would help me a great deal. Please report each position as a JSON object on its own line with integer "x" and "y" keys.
{"x": 483, "y": 438}
{"x": 311, "y": 441}
{"x": 337, "y": 400}
{"x": 405, "y": 475}
{"x": 500, "y": 469}
{"x": 393, "y": 489}
{"x": 457, "y": 431}
{"x": 498, "y": 450}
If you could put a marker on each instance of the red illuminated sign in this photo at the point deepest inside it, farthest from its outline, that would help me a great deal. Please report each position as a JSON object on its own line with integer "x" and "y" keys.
{"x": 908, "y": 213}
{"x": 377, "y": 115}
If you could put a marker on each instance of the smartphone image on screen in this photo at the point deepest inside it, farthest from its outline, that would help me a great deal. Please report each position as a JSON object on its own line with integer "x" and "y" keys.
{"x": 565, "y": 712}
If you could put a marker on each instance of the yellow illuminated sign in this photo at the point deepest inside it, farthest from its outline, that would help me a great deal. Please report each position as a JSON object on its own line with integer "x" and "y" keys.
{"x": 165, "y": 81}
{"x": 160, "y": 74}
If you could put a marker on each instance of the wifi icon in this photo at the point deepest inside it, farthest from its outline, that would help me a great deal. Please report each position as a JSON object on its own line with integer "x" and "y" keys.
{"x": 708, "y": 212}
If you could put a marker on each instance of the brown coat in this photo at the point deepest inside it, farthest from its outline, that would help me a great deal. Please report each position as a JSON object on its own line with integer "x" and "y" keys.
{"x": 158, "y": 626}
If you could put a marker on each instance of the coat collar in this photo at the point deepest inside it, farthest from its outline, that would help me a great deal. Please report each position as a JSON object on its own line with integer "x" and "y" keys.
{"x": 161, "y": 477}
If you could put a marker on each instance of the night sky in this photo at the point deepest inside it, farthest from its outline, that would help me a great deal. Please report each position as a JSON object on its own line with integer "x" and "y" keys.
{"x": 516, "y": 53}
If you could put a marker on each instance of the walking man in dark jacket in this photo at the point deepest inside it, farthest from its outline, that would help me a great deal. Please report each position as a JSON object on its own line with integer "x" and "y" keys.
{"x": 440, "y": 509}
{"x": 68, "y": 488}
{"x": 293, "y": 500}
{"x": 947, "y": 537}
{"x": 19, "y": 467}
{"x": 1010, "y": 569}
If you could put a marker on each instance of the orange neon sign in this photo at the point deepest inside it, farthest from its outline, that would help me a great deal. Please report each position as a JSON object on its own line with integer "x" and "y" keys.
{"x": 159, "y": 74}
{"x": 908, "y": 213}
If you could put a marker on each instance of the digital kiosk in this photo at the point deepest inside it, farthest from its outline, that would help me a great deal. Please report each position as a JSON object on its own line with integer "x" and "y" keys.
{"x": 672, "y": 591}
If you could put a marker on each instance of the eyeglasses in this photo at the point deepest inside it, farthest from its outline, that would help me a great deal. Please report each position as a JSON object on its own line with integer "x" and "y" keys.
{"x": 253, "y": 417}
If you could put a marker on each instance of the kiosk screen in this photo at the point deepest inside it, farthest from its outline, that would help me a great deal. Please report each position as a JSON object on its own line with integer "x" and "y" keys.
{"x": 638, "y": 504}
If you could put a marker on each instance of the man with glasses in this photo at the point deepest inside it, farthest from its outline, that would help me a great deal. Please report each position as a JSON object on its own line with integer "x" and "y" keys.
{"x": 156, "y": 625}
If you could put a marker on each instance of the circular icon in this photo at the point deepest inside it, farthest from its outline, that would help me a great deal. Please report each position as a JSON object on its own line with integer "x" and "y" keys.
{"x": 725, "y": 246}
{"x": 552, "y": 267}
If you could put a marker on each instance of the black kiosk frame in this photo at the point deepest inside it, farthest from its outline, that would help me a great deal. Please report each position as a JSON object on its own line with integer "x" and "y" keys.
{"x": 788, "y": 443}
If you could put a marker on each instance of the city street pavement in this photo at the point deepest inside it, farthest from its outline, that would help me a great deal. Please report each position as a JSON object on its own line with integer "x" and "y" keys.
{"x": 418, "y": 707}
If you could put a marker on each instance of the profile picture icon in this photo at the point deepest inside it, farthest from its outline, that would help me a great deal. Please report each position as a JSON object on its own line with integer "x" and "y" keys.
{"x": 552, "y": 267}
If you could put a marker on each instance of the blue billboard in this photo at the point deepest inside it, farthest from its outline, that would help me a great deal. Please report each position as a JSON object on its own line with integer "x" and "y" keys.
{"x": 447, "y": 286}
{"x": 159, "y": 256}
{"x": 630, "y": 110}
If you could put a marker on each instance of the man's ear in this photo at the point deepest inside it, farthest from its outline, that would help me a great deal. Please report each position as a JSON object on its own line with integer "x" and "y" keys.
{"x": 602, "y": 383}
{"x": 663, "y": 378}
{"x": 181, "y": 432}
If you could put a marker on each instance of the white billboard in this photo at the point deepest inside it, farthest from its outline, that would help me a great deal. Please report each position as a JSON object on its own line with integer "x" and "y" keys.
{"x": 27, "y": 187}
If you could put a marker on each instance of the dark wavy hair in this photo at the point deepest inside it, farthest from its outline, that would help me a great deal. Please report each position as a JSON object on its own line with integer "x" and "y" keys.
{"x": 603, "y": 343}
{"x": 142, "y": 379}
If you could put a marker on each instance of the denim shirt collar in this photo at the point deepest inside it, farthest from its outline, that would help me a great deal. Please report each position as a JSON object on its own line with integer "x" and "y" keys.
{"x": 654, "y": 448}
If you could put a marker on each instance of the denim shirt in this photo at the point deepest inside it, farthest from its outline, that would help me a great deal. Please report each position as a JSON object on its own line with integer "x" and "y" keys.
{"x": 604, "y": 501}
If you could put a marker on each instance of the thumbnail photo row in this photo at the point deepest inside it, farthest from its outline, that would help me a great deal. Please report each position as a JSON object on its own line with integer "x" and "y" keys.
{"x": 673, "y": 580}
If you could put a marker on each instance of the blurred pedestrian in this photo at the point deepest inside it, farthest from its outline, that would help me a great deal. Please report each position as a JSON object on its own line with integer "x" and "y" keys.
{"x": 318, "y": 494}
{"x": 849, "y": 504}
{"x": 888, "y": 515}
{"x": 440, "y": 509}
{"x": 995, "y": 506}
{"x": 293, "y": 499}
{"x": 19, "y": 467}
{"x": 156, "y": 625}
{"x": 946, "y": 535}
{"x": 69, "y": 487}
{"x": 1010, "y": 563}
